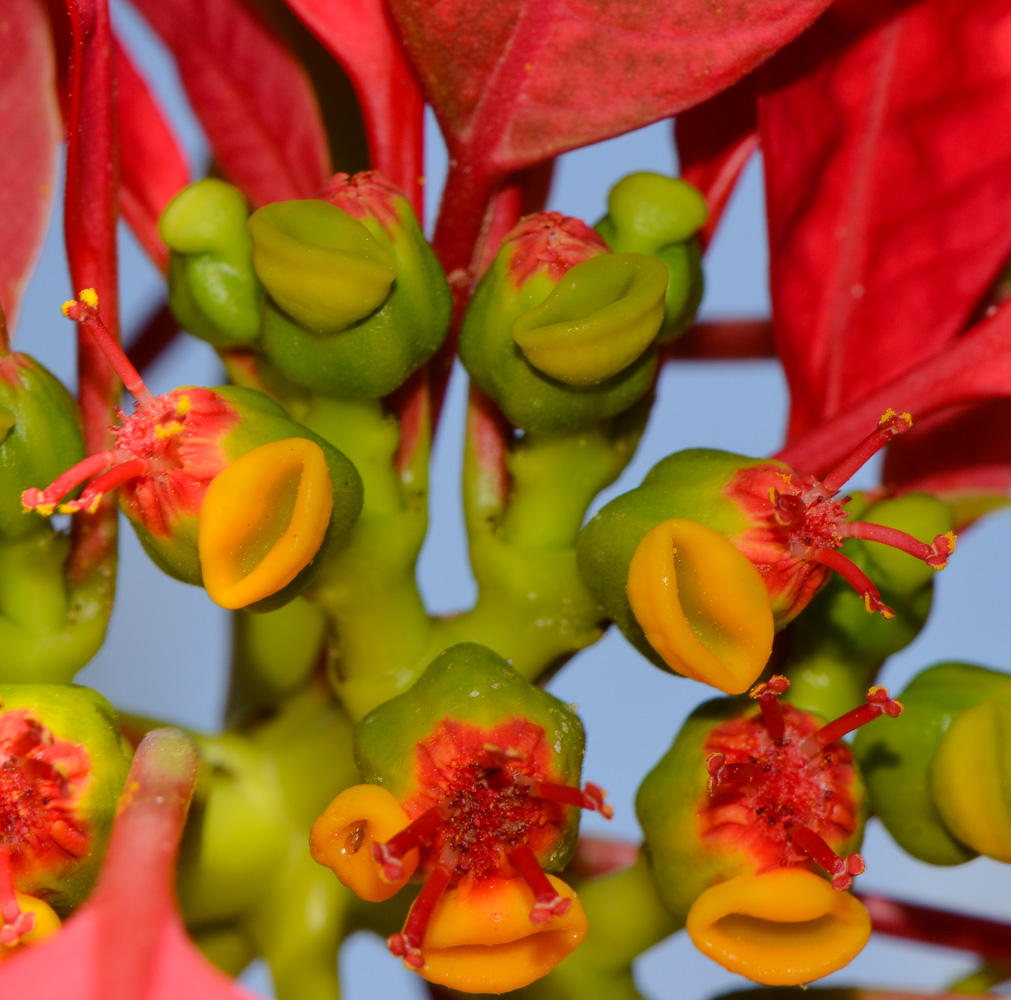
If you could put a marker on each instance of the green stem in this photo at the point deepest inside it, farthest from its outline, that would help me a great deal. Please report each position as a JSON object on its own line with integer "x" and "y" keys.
{"x": 533, "y": 607}
{"x": 380, "y": 630}
{"x": 49, "y": 629}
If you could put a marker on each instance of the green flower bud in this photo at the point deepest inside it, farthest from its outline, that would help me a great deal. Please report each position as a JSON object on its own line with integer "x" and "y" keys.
{"x": 652, "y": 214}
{"x": 559, "y": 332}
{"x": 358, "y": 300}
{"x": 935, "y": 785}
{"x": 64, "y": 764}
{"x": 40, "y": 436}
{"x": 213, "y": 290}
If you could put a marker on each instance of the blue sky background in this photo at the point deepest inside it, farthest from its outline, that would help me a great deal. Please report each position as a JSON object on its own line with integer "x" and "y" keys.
{"x": 167, "y": 646}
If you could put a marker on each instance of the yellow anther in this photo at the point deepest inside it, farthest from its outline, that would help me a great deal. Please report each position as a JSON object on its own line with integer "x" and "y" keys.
{"x": 67, "y": 306}
{"x": 89, "y": 297}
{"x": 183, "y": 406}
{"x": 163, "y": 431}
{"x": 46, "y": 509}
{"x": 66, "y": 508}
{"x": 94, "y": 503}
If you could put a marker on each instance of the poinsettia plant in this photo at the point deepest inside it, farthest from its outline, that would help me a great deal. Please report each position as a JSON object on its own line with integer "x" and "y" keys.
{"x": 384, "y": 767}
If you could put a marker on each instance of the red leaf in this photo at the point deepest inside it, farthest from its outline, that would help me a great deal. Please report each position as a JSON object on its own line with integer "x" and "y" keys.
{"x": 127, "y": 941}
{"x": 975, "y": 366}
{"x": 153, "y": 167}
{"x": 515, "y": 82}
{"x": 30, "y": 124}
{"x": 359, "y": 34}
{"x": 888, "y": 171}
{"x": 955, "y": 454}
{"x": 252, "y": 97}
{"x": 715, "y": 140}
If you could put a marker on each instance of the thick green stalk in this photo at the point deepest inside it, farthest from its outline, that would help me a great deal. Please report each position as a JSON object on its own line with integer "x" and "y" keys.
{"x": 368, "y": 591}
{"x": 533, "y": 607}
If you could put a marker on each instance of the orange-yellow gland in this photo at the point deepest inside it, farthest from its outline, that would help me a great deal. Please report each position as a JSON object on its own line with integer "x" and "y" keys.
{"x": 480, "y": 938}
{"x": 782, "y": 928}
{"x": 701, "y": 604}
{"x": 343, "y": 836}
{"x": 263, "y": 520}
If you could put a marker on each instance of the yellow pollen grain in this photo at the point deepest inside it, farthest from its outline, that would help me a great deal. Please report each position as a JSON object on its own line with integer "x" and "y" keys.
{"x": 163, "y": 431}
{"x": 66, "y": 508}
{"x": 183, "y": 406}
{"x": 89, "y": 297}
{"x": 67, "y": 306}
{"x": 46, "y": 509}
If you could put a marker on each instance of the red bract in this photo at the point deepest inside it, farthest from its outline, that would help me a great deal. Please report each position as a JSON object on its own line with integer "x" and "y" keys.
{"x": 127, "y": 941}
{"x": 888, "y": 167}
{"x": 30, "y": 124}
{"x": 153, "y": 168}
{"x": 251, "y": 96}
{"x": 360, "y": 36}
{"x": 715, "y": 140}
{"x": 516, "y": 83}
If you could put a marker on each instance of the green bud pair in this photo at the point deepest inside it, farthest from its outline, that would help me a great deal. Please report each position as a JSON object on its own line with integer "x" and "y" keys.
{"x": 561, "y": 333}
{"x": 940, "y": 775}
{"x": 341, "y": 295}
{"x": 657, "y": 215}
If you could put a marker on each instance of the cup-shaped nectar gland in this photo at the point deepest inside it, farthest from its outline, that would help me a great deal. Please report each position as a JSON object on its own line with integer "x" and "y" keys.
{"x": 319, "y": 265}
{"x": 970, "y": 778}
{"x": 263, "y": 520}
{"x": 597, "y": 320}
{"x": 480, "y": 938}
{"x": 343, "y": 836}
{"x": 701, "y": 604}
{"x": 782, "y": 928}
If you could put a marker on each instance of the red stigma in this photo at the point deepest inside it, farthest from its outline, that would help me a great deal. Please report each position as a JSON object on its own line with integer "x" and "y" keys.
{"x": 487, "y": 806}
{"x": 800, "y": 523}
{"x": 166, "y": 452}
{"x": 550, "y": 243}
{"x": 780, "y": 787}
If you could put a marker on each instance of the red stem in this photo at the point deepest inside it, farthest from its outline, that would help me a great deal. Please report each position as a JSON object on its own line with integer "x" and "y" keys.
{"x": 726, "y": 340}
{"x": 90, "y": 213}
{"x": 990, "y": 939}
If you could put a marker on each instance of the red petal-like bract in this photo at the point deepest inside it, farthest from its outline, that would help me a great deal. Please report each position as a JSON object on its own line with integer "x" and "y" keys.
{"x": 128, "y": 941}
{"x": 888, "y": 172}
{"x": 252, "y": 97}
{"x": 518, "y": 81}
{"x": 152, "y": 166}
{"x": 714, "y": 141}
{"x": 31, "y": 127}
{"x": 360, "y": 36}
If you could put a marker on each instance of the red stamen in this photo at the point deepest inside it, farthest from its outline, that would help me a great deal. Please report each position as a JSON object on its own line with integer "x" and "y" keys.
{"x": 407, "y": 944}
{"x": 591, "y": 797}
{"x": 109, "y": 480}
{"x": 890, "y": 425}
{"x": 391, "y": 854}
{"x": 721, "y": 773}
{"x": 878, "y": 703}
{"x": 852, "y": 574}
{"x": 767, "y": 694}
{"x": 33, "y": 498}
{"x": 548, "y": 902}
{"x": 85, "y": 312}
{"x": 14, "y": 923}
{"x": 935, "y": 555}
{"x": 841, "y": 869}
